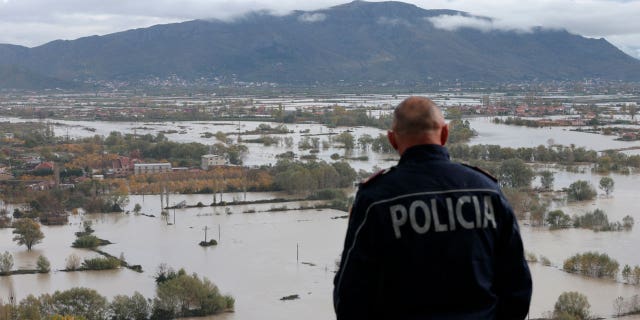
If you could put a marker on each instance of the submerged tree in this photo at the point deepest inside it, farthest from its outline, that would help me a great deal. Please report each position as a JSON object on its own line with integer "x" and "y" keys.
{"x": 27, "y": 233}
{"x": 546, "y": 180}
{"x": 6, "y": 262}
{"x": 43, "y": 264}
{"x": 514, "y": 173}
{"x": 607, "y": 184}
{"x": 581, "y": 190}
{"x": 571, "y": 305}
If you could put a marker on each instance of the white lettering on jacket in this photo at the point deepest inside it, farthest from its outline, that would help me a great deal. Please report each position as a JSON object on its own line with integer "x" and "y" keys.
{"x": 423, "y": 218}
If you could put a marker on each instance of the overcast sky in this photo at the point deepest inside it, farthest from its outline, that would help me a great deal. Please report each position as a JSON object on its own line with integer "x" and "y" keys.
{"x": 35, "y": 22}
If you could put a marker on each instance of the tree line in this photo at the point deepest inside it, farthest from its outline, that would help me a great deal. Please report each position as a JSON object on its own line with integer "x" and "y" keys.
{"x": 178, "y": 295}
{"x": 568, "y": 155}
{"x": 592, "y": 264}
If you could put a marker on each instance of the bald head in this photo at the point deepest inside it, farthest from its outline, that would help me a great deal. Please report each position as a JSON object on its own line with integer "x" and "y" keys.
{"x": 417, "y": 120}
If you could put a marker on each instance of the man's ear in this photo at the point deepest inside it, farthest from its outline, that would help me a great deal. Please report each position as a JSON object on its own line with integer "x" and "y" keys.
{"x": 392, "y": 139}
{"x": 444, "y": 134}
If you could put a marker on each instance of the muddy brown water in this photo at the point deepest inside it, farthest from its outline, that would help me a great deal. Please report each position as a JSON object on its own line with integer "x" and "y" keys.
{"x": 256, "y": 258}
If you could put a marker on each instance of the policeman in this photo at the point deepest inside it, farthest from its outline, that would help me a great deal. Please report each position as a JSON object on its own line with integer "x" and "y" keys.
{"x": 430, "y": 238}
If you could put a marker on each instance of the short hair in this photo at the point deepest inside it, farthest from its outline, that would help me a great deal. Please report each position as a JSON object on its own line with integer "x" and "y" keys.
{"x": 416, "y": 115}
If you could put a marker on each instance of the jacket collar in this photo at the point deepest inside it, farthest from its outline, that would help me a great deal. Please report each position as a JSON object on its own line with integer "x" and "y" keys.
{"x": 424, "y": 152}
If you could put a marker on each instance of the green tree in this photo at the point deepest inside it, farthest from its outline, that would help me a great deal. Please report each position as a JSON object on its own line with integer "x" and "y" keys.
{"x": 82, "y": 302}
{"x": 558, "y": 219}
{"x": 597, "y": 220}
{"x": 27, "y": 233}
{"x": 607, "y": 184}
{"x": 632, "y": 109}
{"x": 364, "y": 141}
{"x": 514, "y": 173}
{"x": 460, "y": 131}
{"x": 6, "y": 262}
{"x": 30, "y": 308}
{"x": 581, "y": 190}
{"x": 592, "y": 264}
{"x": 137, "y": 208}
{"x": 135, "y": 307}
{"x": 627, "y": 222}
{"x": 346, "y": 173}
{"x": 381, "y": 144}
{"x": 43, "y": 264}
{"x": 635, "y": 275}
{"x": 546, "y": 180}
{"x": 571, "y": 305}
{"x": 346, "y": 139}
{"x": 626, "y": 273}
{"x": 189, "y": 295}
{"x": 116, "y": 200}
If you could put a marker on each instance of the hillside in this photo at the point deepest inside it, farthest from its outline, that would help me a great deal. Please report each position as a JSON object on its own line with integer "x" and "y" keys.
{"x": 355, "y": 42}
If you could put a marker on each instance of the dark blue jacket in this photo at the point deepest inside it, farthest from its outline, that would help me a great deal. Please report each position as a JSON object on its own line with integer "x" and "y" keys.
{"x": 432, "y": 239}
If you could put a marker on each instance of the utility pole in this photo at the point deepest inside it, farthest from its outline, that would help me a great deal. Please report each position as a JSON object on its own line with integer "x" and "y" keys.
{"x": 205, "y": 233}
{"x": 244, "y": 182}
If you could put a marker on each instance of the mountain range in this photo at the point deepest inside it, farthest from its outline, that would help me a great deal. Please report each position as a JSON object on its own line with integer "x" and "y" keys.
{"x": 357, "y": 42}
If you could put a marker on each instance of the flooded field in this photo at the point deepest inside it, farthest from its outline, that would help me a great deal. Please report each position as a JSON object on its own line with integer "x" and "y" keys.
{"x": 255, "y": 260}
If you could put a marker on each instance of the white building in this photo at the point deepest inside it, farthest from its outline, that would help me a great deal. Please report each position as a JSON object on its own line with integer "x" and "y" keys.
{"x": 210, "y": 160}
{"x": 140, "y": 168}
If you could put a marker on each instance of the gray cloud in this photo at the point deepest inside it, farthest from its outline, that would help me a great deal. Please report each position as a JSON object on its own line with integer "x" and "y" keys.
{"x": 455, "y": 22}
{"x": 312, "y": 17}
{"x": 392, "y": 21}
{"x": 615, "y": 20}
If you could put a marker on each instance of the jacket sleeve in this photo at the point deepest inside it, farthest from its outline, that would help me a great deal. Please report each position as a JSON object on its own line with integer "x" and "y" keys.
{"x": 354, "y": 284}
{"x": 513, "y": 278}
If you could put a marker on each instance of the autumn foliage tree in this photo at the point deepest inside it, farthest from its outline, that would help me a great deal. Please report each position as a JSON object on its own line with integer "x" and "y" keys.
{"x": 27, "y": 232}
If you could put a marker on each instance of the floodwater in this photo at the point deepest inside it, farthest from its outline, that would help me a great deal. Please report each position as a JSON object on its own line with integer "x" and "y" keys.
{"x": 518, "y": 136}
{"x": 255, "y": 260}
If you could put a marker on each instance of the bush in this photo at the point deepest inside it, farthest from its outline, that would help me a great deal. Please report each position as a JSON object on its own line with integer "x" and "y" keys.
{"x": 100, "y": 263}
{"x": 135, "y": 307}
{"x": 557, "y": 219}
{"x": 592, "y": 264}
{"x": 209, "y": 243}
{"x": 87, "y": 241}
{"x": 631, "y": 276}
{"x": 595, "y": 220}
{"x": 627, "y": 223}
{"x": 571, "y": 305}
{"x": 6, "y": 262}
{"x": 581, "y": 190}
{"x": 43, "y": 264}
{"x": 73, "y": 262}
{"x": 531, "y": 257}
{"x": 83, "y": 303}
{"x": 188, "y": 295}
{"x": 514, "y": 173}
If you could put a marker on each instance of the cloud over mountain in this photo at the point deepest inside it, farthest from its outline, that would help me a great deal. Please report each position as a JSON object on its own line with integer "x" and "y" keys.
{"x": 372, "y": 42}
